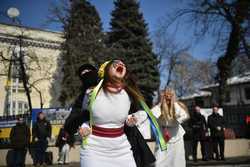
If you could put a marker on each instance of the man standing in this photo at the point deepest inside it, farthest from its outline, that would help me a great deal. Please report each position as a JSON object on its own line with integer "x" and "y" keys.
{"x": 41, "y": 135}
{"x": 199, "y": 127}
{"x": 19, "y": 139}
{"x": 216, "y": 124}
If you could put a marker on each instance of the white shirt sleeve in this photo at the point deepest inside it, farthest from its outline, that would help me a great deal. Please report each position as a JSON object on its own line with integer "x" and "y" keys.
{"x": 181, "y": 114}
{"x": 142, "y": 116}
{"x": 85, "y": 104}
{"x": 85, "y": 125}
{"x": 156, "y": 110}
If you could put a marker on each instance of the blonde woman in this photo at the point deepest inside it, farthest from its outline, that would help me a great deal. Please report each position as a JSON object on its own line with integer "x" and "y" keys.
{"x": 170, "y": 114}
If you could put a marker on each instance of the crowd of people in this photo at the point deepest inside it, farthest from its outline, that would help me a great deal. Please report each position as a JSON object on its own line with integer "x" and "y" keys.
{"x": 107, "y": 115}
{"x": 209, "y": 133}
{"x": 20, "y": 138}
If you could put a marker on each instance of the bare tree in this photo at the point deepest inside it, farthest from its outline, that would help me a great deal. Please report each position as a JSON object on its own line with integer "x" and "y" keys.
{"x": 168, "y": 52}
{"x": 191, "y": 74}
{"x": 179, "y": 69}
{"x": 20, "y": 61}
{"x": 228, "y": 20}
{"x": 26, "y": 70}
{"x": 58, "y": 12}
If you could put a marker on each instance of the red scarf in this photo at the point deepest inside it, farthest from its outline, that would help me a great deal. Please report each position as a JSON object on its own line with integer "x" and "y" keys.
{"x": 115, "y": 88}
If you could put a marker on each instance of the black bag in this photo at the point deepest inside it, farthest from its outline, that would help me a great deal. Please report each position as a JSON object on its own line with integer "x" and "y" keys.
{"x": 49, "y": 158}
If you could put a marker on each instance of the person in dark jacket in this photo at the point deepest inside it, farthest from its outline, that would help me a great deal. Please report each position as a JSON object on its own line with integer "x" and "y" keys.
{"x": 216, "y": 124}
{"x": 41, "y": 135}
{"x": 89, "y": 77}
{"x": 199, "y": 127}
{"x": 20, "y": 139}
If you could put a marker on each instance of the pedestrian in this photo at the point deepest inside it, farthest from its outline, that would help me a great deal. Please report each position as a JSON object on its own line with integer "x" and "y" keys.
{"x": 41, "y": 134}
{"x": 63, "y": 143}
{"x": 20, "y": 139}
{"x": 199, "y": 127}
{"x": 170, "y": 114}
{"x": 110, "y": 138}
{"x": 216, "y": 124}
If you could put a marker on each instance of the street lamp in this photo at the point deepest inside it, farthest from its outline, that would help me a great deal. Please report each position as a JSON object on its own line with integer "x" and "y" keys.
{"x": 13, "y": 14}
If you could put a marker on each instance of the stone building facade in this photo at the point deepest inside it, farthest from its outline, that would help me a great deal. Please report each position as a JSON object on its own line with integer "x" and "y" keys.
{"x": 41, "y": 50}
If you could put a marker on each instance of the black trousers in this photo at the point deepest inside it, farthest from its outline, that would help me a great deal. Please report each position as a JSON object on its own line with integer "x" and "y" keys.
{"x": 18, "y": 159}
{"x": 218, "y": 147}
{"x": 40, "y": 151}
{"x": 203, "y": 148}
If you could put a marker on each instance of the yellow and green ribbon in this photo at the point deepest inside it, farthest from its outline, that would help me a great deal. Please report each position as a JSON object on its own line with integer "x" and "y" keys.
{"x": 92, "y": 97}
{"x": 155, "y": 126}
{"x": 153, "y": 122}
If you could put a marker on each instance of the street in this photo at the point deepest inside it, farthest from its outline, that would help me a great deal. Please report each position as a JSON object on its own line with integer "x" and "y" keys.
{"x": 245, "y": 165}
{"x": 235, "y": 165}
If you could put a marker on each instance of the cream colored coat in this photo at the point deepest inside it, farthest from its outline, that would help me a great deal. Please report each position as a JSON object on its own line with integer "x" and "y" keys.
{"x": 174, "y": 156}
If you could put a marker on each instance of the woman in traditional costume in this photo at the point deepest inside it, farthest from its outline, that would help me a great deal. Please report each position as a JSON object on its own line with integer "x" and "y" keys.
{"x": 170, "y": 114}
{"x": 109, "y": 138}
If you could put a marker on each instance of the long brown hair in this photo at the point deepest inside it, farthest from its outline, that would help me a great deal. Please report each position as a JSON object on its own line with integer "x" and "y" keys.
{"x": 128, "y": 81}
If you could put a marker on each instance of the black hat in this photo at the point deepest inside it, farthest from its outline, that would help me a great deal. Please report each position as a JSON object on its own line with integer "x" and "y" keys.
{"x": 85, "y": 67}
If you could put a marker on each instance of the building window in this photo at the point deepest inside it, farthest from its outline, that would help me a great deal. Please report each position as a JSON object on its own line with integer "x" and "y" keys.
{"x": 22, "y": 107}
{"x": 199, "y": 101}
{"x": 14, "y": 105}
{"x": 26, "y": 106}
{"x": 247, "y": 93}
{"x": 17, "y": 85}
{"x": 16, "y": 70}
{"x": 18, "y": 107}
{"x": 228, "y": 97}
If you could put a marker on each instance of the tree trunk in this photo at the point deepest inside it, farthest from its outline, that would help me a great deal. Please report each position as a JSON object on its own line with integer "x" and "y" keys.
{"x": 224, "y": 62}
{"x": 24, "y": 75}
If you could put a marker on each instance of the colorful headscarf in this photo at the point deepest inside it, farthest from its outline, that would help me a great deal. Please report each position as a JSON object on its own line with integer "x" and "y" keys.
{"x": 153, "y": 122}
{"x": 101, "y": 70}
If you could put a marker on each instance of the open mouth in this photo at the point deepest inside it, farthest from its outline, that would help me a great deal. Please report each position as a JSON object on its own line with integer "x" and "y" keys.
{"x": 119, "y": 69}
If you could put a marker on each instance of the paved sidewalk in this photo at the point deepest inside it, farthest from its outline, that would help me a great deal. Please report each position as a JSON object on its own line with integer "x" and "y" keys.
{"x": 229, "y": 162}
{"x": 235, "y": 161}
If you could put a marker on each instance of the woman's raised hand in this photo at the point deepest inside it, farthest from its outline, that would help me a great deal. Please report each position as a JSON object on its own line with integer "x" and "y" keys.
{"x": 131, "y": 120}
{"x": 84, "y": 131}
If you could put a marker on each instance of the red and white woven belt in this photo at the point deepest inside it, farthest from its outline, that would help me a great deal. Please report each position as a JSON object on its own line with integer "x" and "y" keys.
{"x": 107, "y": 132}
